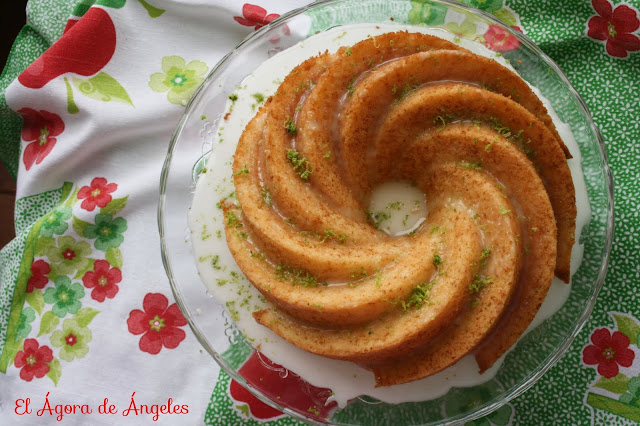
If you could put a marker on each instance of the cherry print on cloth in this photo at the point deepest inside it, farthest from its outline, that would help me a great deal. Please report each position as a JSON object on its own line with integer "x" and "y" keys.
{"x": 40, "y": 128}
{"x": 254, "y": 16}
{"x": 82, "y": 51}
{"x": 33, "y": 359}
{"x": 158, "y": 324}
{"x": 615, "y": 28}
{"x": 103, "y": 279}
{"x": 98, "y": 193}
{"x": 608, "y": 351}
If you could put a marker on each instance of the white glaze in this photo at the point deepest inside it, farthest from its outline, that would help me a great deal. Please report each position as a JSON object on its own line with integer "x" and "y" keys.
{"x": 227, "y": 284}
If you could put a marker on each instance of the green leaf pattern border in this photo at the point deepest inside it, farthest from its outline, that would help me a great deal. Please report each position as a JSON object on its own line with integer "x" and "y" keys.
{"x": 59, "y": 310}
{"x": 619, "y": 395}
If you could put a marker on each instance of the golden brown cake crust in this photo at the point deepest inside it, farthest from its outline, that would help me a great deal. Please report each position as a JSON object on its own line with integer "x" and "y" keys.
{"x": 465, "y": 130}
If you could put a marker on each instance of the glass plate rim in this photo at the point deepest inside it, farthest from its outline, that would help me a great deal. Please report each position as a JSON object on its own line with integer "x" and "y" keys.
{"x": 506, "y": 395}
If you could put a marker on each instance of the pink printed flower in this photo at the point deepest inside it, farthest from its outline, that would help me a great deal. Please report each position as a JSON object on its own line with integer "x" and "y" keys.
{"x": 254, "y": 16}
{"x": 159, "y": 322}
{"x": 33, "y": 360}
{"x": 103, "y": 279}
{"x": 38, "y": 278}
{"x": 608, "y": 351}
{"x": 614, "y": 27}
{"x": 497, "y": 38}
{"x": 39, "y": 128}
{"x": 96, "y": 194}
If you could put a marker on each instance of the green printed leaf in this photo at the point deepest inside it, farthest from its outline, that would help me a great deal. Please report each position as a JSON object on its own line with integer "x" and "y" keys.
{"x": 102, "y": 87}
{"x": 426, "y": 14}
{"x": 114, "y": 257}
{"x": 634, "y": 386}
{"x": 467, "y": 28}
{"x": 501, "y": 416}
{"x": 82, "y": 7}
{"x": 88, "y": 267}
{"x": 116, "y": 4}
{"x": 506, "y": 16}
{"x": 79, "y": 225}
{"x": 48, "y": 323}
{"x": 72, "y": 108}
{"x": 55, "y": 371}
{"x": 115, "y": 206}
{"x": 70, "y": 201}
{"x": 43, "y": 244}
{"x": 85, "y": 315}
{"x": 244, "y": 409}
{"x": 628, "y": 327}
{"x": 153, "y": 11}
{"x": 605, "y": 403}
{"x": 618, "y": 384}
{"x": 11, "y": 348}
{"x": 35, "y": 299}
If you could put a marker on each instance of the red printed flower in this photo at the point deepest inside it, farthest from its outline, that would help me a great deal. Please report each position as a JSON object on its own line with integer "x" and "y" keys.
{"x": 103, "y": 279}
{"x": 159, "y": 322}
{"x": 608, "y": 351}
{"x": 39, "y": 128}
{"x": 38, "y": 278}
{"x": 614, "y": 27}
{"x": 96, "y": 194}
{"x": 497, "y": 38}
{"x": 254, "y": 16}
{"x": 33, "y": 360}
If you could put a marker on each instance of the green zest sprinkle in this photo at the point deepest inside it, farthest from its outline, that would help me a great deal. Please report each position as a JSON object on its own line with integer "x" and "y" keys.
{"x": 502, "y": 130}
{"x": 348, "y": 52}
{"x": 378, "y": 218}
{"x": 329, "y": 234}
{"x": 504, "y": 210}
{"x": 257, "y": 255}
{"x": 242, "y": 171}
{"x": 397, "y": 205}
{"x": 484, "y": 258}
{"x": 419, "y": 296}
{"x": 290, "y": 126}
{"x": 350, "y": 87}
{"x": 233, "y": 97}
{"x": 378, "y": 279}
{"x": 295, "y": 276}
{"x": 266, "y": 196}
{"x": 235, "y": 315}
{"x": 437, "y": 260}
{"x": 477, "y": 165}
{"x": 442, "y": 120}
{"x": 360, "y": 274}
{"x": 214, "y": 262}
{"x": 479, "y": 282}
{"x": 259, "y": 97}
{"x": 313, "y": 410}
{"x": 232, "y": 220}
{"x": 300, "y": 164}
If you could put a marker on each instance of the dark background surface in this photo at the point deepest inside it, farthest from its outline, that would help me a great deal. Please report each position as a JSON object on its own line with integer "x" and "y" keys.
{"x": 12, "y": 18}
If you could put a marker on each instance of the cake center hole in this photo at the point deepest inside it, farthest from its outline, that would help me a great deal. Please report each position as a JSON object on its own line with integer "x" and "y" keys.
{"x": 397, "y": 207}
